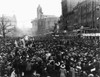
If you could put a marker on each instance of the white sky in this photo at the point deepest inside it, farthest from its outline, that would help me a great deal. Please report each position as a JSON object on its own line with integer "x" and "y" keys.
{"x": 26, "y": 10}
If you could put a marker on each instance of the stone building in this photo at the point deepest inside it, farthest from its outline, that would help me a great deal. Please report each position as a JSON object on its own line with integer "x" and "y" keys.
{"x": 67, "y": 8}
{"x": 68, "y": 5}
{"x": 84, "y": 16}
{"x": 43, "y": 24}
{"x": 87, "y": 15}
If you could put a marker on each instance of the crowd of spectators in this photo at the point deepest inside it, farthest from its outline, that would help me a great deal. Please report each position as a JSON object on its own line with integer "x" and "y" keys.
{"x": 50, "y": 57}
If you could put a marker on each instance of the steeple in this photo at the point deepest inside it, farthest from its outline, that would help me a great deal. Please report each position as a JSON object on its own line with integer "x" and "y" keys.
{"x": 39, "y": 12}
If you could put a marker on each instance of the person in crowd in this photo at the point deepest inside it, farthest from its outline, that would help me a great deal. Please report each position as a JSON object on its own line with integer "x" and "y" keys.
{"x": 13, "y": 74}
{"x": 63, "y": 72}
{"x": 50, "y": 57}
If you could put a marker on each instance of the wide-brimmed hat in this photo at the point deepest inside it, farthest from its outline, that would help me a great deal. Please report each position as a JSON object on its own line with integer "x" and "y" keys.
{"x": 90, "y": 75}
{"x": 62, "y": 66}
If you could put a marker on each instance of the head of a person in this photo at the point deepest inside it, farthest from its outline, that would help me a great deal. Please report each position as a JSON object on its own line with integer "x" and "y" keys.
{"x": 63, "y": 66}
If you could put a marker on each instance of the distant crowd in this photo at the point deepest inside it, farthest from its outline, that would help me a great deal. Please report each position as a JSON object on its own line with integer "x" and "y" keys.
{"x": 49, "y": 57}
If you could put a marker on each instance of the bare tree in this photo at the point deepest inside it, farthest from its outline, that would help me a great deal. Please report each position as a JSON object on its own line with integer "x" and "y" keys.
{"x": 5, "y": 25}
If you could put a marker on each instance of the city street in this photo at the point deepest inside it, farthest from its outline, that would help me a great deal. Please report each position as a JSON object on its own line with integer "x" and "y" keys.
{"x": 46, "y": 45}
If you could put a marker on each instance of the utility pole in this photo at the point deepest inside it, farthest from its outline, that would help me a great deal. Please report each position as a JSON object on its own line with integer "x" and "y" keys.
{"x": 95, "y": 15}
{"x": 92, "y": 14}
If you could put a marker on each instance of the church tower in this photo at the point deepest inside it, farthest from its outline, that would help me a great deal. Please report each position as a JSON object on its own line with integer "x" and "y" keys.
{"x": 39, "y": 12}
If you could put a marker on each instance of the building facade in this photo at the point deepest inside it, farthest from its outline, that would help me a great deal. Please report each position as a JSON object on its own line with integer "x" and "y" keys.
{"x": 67, "y": 8}
{"x": 72, "y": 3}
{"x": 86, "y": 15}
{"x": 43, "y": 24}
{"x": 68, "y": 5}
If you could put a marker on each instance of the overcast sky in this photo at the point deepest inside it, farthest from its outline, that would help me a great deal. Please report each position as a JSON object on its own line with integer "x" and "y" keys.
{"x": 26, "y": 10}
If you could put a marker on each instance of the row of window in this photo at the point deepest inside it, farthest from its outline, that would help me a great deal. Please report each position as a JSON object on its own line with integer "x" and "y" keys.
{"x": 88, "y": 7}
